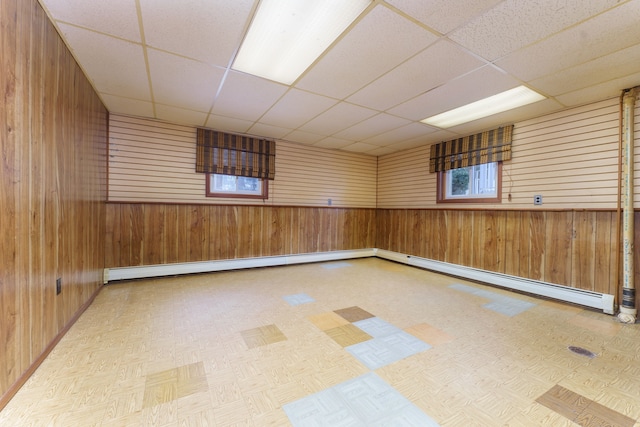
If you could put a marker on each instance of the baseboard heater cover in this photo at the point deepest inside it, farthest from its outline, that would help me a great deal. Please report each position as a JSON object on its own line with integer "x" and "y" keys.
{"x": 127, "y": 273}
{"x": 591, "y": 299}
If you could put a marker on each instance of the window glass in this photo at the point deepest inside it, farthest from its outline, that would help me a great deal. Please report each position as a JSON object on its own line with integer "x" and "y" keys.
{"x": 219, "y": 185}
{"x": 479, "y": 183}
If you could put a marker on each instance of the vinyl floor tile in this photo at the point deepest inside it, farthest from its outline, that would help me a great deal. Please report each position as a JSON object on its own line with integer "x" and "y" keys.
{"x": 326, "y": 321}
{"x": 262, "y": 335}
{"x": 380, "y": 352}
{"x": 348, "y": 335}
{"x": 334, "y": 265}
{"x": 429, "y": 334}
{"x": 499, "y": 303}
{"x": 363, "y": 401}
{"x": 353, "y": 314}
{"x": 298, "y": 299}
{"x": 377, "y": 327}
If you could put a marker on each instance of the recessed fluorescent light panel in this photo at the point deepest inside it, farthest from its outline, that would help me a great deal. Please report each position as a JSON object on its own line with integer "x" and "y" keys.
{"x": 286, "y": 36}
{"x": 513, "y": 98}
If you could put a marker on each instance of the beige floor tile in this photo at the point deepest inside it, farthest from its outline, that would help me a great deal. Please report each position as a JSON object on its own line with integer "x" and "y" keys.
{"x": 429, "y": 334}
{"x": 186, "y": 351}
{"x": 326, "y": 321}
{"x": 347, "y": 335}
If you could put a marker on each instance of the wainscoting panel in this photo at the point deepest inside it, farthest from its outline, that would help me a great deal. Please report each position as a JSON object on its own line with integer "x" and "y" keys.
{"x": 53, "y": 145}
{"x": 149, "y": 234}
{"x": 571, "y": 248}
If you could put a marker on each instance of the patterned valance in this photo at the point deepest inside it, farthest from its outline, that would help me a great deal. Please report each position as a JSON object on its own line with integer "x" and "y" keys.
{"x": 228, "y": 154}
{"x": 485, "y": 147}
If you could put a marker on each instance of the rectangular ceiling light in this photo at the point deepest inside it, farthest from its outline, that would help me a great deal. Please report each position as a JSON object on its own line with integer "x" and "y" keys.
{"x": 508, "y": 100}
{"x": 286, "y": 36}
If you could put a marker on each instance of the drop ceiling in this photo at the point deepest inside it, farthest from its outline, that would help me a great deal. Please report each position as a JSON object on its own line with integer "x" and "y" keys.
{"x": 399, "y": 62}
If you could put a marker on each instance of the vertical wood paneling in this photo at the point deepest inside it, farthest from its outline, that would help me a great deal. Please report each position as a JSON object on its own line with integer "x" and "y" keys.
{"x": 170, "y": 241}
{"x": 583, "y": 256}
{"x": 559, "y": 236}
{"x": 53, "y": 141}
{"x": 159, "y": 233}
{"x": 536, "y": 232}
{"x": 512, "y": 243}
{"x": 604, "y": 251}
{"x": 571, "y": 248}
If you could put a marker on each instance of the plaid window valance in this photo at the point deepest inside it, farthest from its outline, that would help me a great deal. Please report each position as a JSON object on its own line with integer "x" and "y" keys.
{"x": 228, "y": 154}
{"x": 485, "y": 147}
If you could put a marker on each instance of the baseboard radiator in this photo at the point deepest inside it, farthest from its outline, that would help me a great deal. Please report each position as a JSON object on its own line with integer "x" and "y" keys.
{"x": 127, "y": 273}
{"x": 596, "y": 300}
{"x": 591, "y": 299}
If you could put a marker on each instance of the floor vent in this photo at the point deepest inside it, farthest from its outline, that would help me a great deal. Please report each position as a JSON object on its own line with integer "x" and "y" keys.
{"x": 582, "y": 351}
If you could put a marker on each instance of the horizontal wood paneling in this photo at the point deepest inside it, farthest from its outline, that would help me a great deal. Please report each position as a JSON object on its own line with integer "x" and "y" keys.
{"x": 571, "y": 248}
{"x": 569, "y": 157}
{"x": 147, "y": 234}
{"x": 53, "y": 145}
{"x": 152, "y": 161}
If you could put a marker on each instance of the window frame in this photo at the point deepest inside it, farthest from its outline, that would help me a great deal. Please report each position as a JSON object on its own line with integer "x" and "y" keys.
{"x": 263, "y": 196}
{"x": 442, "y": 191}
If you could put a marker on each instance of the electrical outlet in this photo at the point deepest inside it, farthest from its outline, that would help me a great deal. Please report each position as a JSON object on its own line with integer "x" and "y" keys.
{"x": 58, "y": 285}
{"x": 329, "y": 202}
{"x": 537, "y": 199}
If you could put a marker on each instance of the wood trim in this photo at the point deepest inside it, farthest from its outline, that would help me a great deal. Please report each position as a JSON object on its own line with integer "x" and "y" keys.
{"x": 15, "y": 387}
{"x": 263, "y": 196}
{"x": 471, "y": 200}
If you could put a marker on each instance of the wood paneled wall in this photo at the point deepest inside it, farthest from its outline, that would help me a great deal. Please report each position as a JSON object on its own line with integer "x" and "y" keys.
{"x": 569, "y": 157}
{"x": 53, "y": 142}
{"x": 147, "y": 234}
{"x": 153, "y": 161}
{"x": 572, "y": 248}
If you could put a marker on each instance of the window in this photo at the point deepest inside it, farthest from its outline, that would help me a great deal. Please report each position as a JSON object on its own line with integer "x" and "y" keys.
{"x": 219, "y": 185}
{"x": 473, "y": 184}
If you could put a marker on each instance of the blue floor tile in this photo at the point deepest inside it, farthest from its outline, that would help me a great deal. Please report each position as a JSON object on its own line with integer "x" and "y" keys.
{"x": 298, "y": 299}
{"x": 361, "y": 402}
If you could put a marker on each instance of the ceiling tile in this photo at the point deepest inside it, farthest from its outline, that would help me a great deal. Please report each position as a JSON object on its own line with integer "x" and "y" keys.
{"x": 456, "y": 93}
{"x": 377, "y": 44}
{"x": 266, "y": 131}
{"x": 592, "y": 37}
{"x": 206, "y": 30}
{"x": 418, "y": 75}
{"x": 114, "y": 66}
{"x": 331, "y": 142}
{"x": 506, "y": 118}
{"x": 228, "y": 124}
{"x": 297, "y": 107}
{"x": 339, "y": 117}
{"x": 127, "y": 106}
{"x": 246, "y": 97}
{"x": 393, "y": 60}
{"x": 404, "y": 133}
{"x": 303, "y": 137}
{"x": 381, "y": 151}
{"x": 360, "y": 147}
{"x": 180, "y": 115}
{"x": 609, "y": 67}
{"x": 114, "y": 17}
{"x": 600, "y": 91}
{"x": 195, "y": 89}
{"x": 508, "y": 27}
{"x": 416, "y": 142}
{"x": 443, "y": 15}
{"x": 375, "y": 125}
